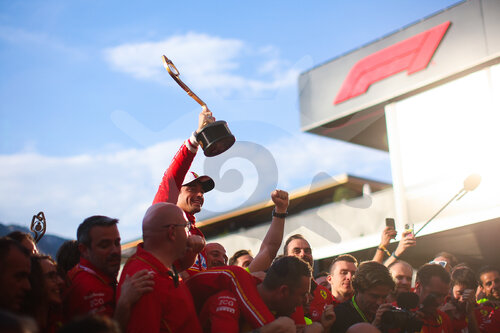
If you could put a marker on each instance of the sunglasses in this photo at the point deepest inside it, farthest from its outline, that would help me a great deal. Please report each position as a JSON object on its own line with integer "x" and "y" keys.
{"x": 442, "y": 263}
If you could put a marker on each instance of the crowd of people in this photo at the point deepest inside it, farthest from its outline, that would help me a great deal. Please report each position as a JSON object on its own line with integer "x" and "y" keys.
{"x": 175, "y": 282}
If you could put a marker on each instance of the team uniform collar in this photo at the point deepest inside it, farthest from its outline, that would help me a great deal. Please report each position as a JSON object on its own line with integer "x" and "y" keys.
{"x": 155, "y": 264}
{"x": 88, "y": 267}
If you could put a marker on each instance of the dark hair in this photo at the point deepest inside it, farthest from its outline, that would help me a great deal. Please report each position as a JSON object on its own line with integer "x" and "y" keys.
{"x": 286, "y": 271}
{"x": 484, "y": 270}
{"x": 236, "y": 255}
{"x": 83, "y": 232}
{"x": 6, "y": 244}
{"x": 465, "y": 276}
{"x": 91, "y": 323}
{"x": 291, "y": 238}
{"x": 427, "y": 271}
{"x": 371, "y": 274}
{"x": 67, "y": 255}
{"x": 343, "y": 257}
{"x": 453, "y": 261}
{"x": 35, "y": 299}
{"x": 20, "y": 236}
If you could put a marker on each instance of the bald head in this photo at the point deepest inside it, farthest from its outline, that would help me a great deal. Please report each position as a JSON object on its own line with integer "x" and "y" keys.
{"x": 164, "y": 232}
{"x": 363, "y": 328}
{"x": 160, "y": 215}
{"x": 402, "y": 273}
{"x": 215, "y": 255}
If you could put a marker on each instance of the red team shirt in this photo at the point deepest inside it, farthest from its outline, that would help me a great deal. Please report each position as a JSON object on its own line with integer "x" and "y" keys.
{"x": 440, "y": 323}
{"x": 90, "y": 291}
{"x": 240, "y": 285}
{"x": 168, "y": 308}
{"x": 488, "y": 318}
{"x": 228, "y": 301}
{"x": 169, "y": 189}
{"x": 321, "y": 298}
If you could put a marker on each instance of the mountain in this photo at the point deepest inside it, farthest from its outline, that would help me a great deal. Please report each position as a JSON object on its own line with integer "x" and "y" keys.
{"x": 49, "y": 244}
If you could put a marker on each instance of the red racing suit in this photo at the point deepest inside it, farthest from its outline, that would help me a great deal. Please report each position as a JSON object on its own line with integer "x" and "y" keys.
{"x": 227, "y": 283}
{"x": 439, "y": 323}
{"x": 321, "y": 298}
{"x": 168, "y": 308}
{"x": 90, "y": 291}
{"x": 170, "y": 187}
{"x": 488, "y": 317}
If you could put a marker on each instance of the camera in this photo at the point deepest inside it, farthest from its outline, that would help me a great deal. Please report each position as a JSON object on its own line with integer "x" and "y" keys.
{"x": 401, "y": 317}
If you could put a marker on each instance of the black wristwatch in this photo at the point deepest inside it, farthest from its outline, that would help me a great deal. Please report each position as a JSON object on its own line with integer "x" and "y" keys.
{"x": 280, "y": 215}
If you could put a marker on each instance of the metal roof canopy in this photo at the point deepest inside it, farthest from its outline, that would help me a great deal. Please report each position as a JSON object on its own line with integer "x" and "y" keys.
{"x": 474, "y": 244}
{"x": 317, "y": 194}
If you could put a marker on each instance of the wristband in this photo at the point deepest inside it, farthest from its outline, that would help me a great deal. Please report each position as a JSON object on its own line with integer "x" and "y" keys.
{"x": 382, "y": 248}
{"x": 395, "y": 256}
{"x": 280, "y": 215}
{"x": 192, "y": 139}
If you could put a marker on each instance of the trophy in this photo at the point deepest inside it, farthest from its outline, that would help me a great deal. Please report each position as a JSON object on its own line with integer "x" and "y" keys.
{"x": 38, "y": 226}
{"x": 214, "y": 138}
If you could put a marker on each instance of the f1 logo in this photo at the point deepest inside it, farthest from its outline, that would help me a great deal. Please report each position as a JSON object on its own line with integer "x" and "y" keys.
{"x": 412, "y": 54}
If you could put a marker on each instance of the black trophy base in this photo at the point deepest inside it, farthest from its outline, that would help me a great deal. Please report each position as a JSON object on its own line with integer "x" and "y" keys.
{"x": 215, "y": 138}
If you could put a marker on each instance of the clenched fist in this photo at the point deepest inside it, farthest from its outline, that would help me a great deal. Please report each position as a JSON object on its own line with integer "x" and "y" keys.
{"x": 280, "y": 199}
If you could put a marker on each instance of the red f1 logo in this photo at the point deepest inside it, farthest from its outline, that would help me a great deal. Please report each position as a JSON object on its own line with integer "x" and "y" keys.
{"x": 412, "y": 54}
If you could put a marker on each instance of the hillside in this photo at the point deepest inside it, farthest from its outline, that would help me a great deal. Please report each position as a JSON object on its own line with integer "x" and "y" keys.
{"x": 49, "y": 244}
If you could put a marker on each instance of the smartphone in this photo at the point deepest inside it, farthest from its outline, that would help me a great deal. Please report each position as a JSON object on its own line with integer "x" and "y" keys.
{"x": 409, "y": 227}
{"x": 389, "y": 222}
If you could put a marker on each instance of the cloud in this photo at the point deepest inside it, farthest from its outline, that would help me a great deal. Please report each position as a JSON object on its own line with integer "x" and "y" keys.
{"x": 122, "y": 184}
{"x": 205, "y": 62}
{"x": 41, "y": 40}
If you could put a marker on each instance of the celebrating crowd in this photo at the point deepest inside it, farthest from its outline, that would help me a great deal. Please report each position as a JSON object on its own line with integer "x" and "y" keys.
{"x": 175, "y": 282}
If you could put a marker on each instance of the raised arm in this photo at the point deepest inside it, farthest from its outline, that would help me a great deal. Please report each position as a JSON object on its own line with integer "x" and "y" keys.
{"x": 274, "y": 236}
{"x": 407, "y": 240}
{"x": 387, "y": 234}
{"x": 171, "y": 183}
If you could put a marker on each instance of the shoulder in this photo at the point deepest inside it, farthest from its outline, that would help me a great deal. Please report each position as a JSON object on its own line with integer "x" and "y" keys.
{"x": 323, "y": 294}
{"x": 445, "y": 318}
{"x": 346, "y": 317}
{"x": 345, "y": 307}
{"x": 85, "y": 281}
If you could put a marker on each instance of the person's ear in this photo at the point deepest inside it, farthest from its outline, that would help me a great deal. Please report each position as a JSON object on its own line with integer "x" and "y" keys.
{"x": 171, "y": 233}
{"x": 283, "y": 291}
{"x": 84, "y": 250}
{"x": 418, "y": 287}
{"x": 329, "y": 278}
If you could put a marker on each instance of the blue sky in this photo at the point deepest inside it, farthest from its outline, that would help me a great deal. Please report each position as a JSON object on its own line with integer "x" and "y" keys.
{"x": 89, "y": 118}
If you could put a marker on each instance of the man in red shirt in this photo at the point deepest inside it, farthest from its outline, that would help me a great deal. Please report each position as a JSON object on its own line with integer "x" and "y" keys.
{"x": 432, "y": 285}
{"x": 489, "y": 306}
{"x": 186, "y": 190}
{"x": 93, "y": 279}
{"x": 231, "y": 300}
{"x": 215, "y": 255}
{"x": 169, "y": 308}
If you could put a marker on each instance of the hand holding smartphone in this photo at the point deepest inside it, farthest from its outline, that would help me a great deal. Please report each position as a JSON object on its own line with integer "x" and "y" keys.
{"x": 389, "y": 222}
